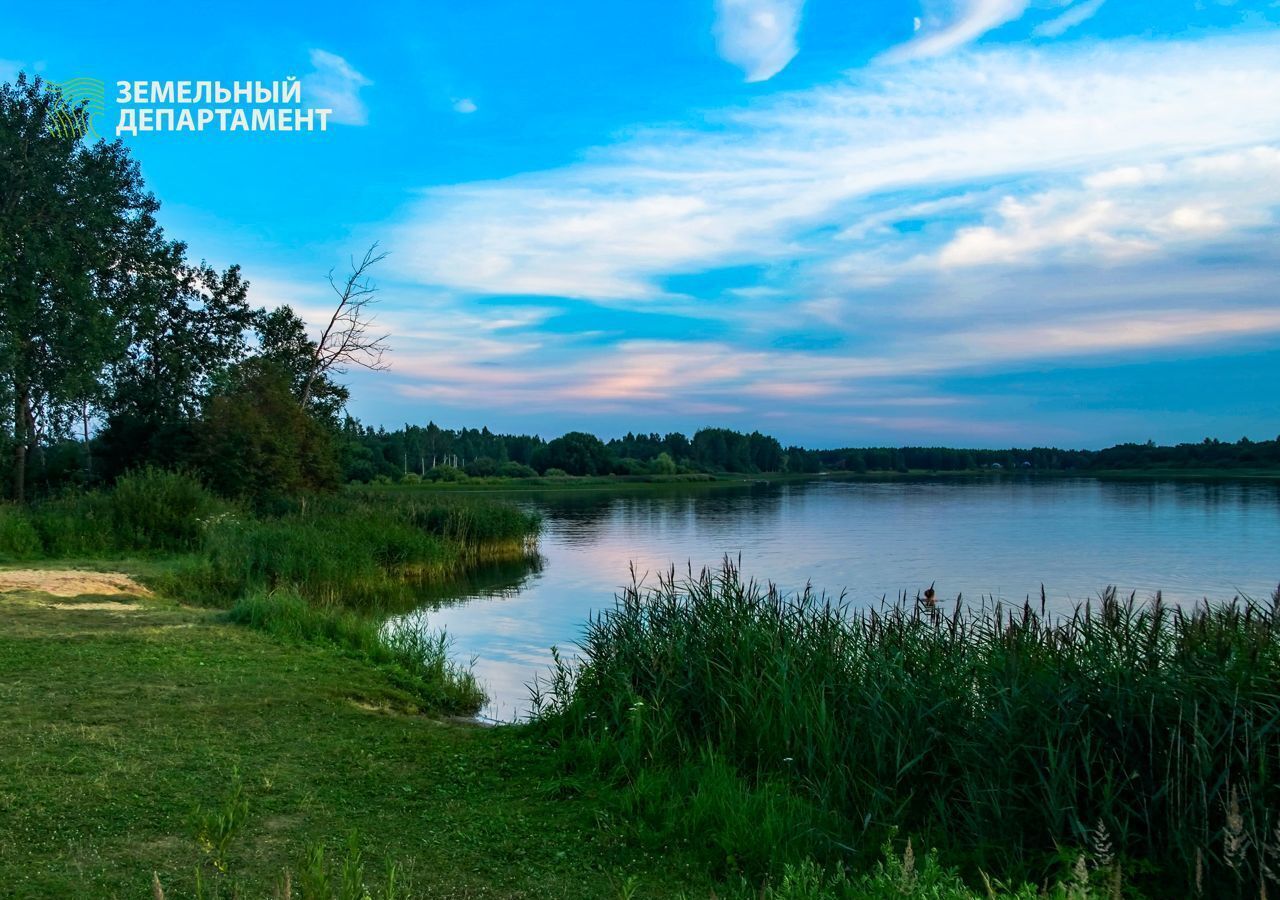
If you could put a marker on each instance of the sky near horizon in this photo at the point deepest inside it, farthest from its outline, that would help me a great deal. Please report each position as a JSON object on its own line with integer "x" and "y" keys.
{"x": 963, "y": 222}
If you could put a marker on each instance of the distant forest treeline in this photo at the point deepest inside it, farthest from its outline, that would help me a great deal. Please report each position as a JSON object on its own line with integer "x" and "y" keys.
{"x": 440, "y": 453}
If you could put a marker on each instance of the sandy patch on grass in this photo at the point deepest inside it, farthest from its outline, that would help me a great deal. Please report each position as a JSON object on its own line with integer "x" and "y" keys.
{"x": 72, "y": 583}
{"x": 109, "y": 607}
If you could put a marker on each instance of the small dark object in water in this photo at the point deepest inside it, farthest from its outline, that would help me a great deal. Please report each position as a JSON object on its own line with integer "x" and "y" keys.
{"x": 929, "y": 596}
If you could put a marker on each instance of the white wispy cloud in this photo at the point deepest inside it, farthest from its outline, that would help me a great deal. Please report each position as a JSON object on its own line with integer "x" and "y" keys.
{"x": 1128, "y": 211}
{"x": 464, "y": 105}
{"x": 997, "y": 208}
{"x": 671, "y": 201}
{"x": 758, "y": 36}
{"x": 722, "y": 377}
{"x": 949, "y": 24}
{"x": 1075, "y": 15}
{"x": 1112, "y": 332}
{"x": 335, "y": 84}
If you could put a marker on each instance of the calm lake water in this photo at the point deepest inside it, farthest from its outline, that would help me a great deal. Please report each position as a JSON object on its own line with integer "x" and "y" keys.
{"x": 980, "y": 538}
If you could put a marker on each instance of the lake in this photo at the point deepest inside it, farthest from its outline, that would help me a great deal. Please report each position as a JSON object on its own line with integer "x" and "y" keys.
{"x": 996, "y": 538}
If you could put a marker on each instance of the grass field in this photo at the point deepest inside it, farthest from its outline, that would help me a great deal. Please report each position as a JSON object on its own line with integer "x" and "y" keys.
{"x": 157, "y": 750}
{"x": 122, "y": 715}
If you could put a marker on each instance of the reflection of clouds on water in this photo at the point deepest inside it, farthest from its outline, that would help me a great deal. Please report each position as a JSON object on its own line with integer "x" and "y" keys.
{"x": 996, "y": 539}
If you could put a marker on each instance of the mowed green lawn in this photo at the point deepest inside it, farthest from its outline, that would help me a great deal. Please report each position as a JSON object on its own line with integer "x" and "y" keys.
{"x": 117, "y": 718}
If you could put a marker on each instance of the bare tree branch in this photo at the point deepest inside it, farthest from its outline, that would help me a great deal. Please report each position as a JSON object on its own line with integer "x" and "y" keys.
{"x": 347, "y": 339}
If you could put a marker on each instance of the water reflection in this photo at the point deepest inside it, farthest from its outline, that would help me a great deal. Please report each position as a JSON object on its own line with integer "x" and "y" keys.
{"x": 490, "y": 581}
{"x": 1000, "y": 538}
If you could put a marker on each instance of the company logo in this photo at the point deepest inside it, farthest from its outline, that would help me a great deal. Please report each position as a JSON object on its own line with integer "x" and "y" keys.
{"x": 82, "y": 100}
{"x": 248, "y": 106}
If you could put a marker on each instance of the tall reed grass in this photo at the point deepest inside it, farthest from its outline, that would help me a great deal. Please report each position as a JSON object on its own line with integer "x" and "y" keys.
{"x": 417, "y": 661}
{"x": 767, "y": 727}
{"x": 355, "y": 550}
{"x": 362, "y": 549}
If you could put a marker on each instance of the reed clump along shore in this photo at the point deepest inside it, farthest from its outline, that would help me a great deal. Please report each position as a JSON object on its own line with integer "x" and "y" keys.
{"x": 1133, "y": 742}
{"x": 317, "y": 569}
{"x": 358, "y": 549}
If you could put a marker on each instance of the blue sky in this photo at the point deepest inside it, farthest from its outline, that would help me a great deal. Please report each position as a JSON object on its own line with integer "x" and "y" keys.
{"x": 969, "y": 222}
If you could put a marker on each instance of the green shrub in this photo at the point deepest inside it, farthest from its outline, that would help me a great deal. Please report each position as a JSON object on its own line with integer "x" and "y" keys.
{"x": 75, "y": 525}
{"x": 554, "y": 472}
{"x": 516, "y": 470}
{"x": 664, "y": 464}
{"x": 893, "y": 876}
{"x": 148, "y": 510}
{"x": 629, "y": 466}
{"x": 155, "y": 509}
{"x": 474, "y": 523}
{"x": 18, "y": 537}
{"x": 356, "y": 562}
{"x": 906, "y": 873}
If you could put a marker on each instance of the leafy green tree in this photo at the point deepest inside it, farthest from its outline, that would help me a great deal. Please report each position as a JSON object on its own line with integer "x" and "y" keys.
{"x": 257, "y": 442}
{"x": 720, "y": 448}
{"x": 482, "y": 466}
{"x": 765, "y": 452}
{"x": 283, "y": 343}
{"x": 184, "y": 339}
{"x": 800, "y": 460}
{"x": 77, "y": 230}
{"x": 577, "y": 453}
{"x": 663, "y": 464}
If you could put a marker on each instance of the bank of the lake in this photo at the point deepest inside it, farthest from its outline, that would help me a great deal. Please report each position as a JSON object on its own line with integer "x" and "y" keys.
{"x": 153, "y": 743}
{"x": 505, "y": 484}
{"x": 355, "y": 548}
{"x": 122, "y": 713}
{"x": 1136, "y": 738}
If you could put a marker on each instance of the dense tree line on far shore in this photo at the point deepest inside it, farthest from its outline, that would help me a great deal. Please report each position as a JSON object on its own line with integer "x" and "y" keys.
{"x": 439, "y": 453}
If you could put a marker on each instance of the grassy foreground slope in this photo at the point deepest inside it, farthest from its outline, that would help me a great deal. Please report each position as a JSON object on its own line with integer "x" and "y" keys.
{"x": 123, "y": 714}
